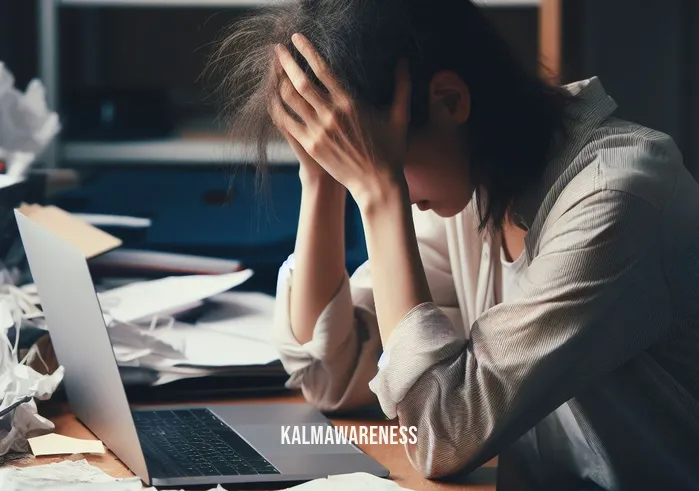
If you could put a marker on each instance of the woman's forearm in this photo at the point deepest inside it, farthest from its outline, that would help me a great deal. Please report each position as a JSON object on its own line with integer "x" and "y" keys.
{"x": 319, "y": 253}
{"x": 398, "y": 276}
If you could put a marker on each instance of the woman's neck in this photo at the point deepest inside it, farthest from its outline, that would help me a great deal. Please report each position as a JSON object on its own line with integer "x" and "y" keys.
{"x": 512, "y": 240}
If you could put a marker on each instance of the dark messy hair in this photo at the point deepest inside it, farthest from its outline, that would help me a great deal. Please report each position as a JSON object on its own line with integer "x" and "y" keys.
{"x": 514, "y": 118}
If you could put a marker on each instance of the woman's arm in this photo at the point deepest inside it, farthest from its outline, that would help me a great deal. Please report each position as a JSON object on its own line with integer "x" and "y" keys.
{"x": 319, "y": 254}
{"x": 400, "y": 283}
{"x": 363, "y": 150}
{"x": 335, "y": 366}
{"x": 328, "y": 345}
{"x": 591, "y": 300}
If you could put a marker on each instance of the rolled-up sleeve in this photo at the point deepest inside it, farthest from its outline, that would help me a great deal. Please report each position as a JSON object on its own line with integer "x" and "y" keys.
{"x": 593, "y": 297}
{"x": 333, "y": 368}
{"x": 432, "y": 338}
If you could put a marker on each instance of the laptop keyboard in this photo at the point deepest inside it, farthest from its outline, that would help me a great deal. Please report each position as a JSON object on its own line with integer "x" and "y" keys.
{"x": 194, "y": 442}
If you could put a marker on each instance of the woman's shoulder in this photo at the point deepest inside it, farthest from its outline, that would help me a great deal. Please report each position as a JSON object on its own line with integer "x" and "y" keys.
{"x": 633, "y": 159}
{"x": 622, "y": 166}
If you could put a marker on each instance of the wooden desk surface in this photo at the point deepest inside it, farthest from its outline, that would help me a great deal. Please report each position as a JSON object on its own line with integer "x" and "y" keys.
{"x": 392, "y": 457}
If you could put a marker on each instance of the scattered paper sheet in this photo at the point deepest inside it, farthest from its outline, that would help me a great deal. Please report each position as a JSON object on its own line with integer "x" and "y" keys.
{"x": 54, "y": 444}
{"x": 7, "y": 181}
{"x": 243, "y": 314}
{"x": 206, "y": 348}
{"x": 60, "y": 475}
{"x": 180, "y": 351}
{"x": 142, "y": 300}
{"x": 68, "y": 476}
{"x": 82, "y": 476}
{"x": 144, "y": 260}
{"x": 350, "y": 482}
{"x": 100, "y": 220}
{"x": 6, "y": 313}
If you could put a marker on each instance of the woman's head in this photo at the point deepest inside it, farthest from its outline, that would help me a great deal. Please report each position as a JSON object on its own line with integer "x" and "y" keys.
{"x": 479, "y": 121}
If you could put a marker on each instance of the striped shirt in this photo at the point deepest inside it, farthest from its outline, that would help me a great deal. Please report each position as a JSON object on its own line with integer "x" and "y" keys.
{"x": 587, "y": 376}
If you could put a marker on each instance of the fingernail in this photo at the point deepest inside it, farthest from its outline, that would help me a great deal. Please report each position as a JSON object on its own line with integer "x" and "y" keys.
{"x": 295, "y": 38}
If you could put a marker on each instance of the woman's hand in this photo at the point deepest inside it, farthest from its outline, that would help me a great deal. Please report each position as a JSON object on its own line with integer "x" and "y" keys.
{"x": 361, "y": 148}
{"x": 310, "y": 172}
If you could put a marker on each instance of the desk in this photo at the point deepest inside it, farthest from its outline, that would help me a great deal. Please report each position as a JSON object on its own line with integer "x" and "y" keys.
{"x": 391, "y": 456}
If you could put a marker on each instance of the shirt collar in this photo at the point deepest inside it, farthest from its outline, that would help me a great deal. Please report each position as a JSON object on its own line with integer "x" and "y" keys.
{"x": 590, "y": 107}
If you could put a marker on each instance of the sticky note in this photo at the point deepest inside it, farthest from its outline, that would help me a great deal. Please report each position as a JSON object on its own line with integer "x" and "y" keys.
{"x": 53, "y": 444}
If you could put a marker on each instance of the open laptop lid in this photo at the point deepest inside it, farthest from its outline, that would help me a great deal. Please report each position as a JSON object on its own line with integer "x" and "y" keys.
{"x": 80, "y": 339}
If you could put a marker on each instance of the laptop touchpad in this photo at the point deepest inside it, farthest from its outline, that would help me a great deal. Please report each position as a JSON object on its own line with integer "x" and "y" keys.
{"x": 275, "y": 439}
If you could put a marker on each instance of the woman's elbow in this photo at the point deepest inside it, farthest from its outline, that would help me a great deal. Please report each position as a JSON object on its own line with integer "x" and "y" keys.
{"x": 328, "y": 392}
{"x": 440, "y": 454}
{"x": 320, "y": 400}
{"x": 436, "y": 462}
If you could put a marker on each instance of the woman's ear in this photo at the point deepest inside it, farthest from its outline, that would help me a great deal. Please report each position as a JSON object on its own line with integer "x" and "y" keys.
{"x": 450, "y": 99}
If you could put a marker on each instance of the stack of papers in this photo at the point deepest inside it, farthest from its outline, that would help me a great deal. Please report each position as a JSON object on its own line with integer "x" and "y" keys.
{"x": 234, "y": 330}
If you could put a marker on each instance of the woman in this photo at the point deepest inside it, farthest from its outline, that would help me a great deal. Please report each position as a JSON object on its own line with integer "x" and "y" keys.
{"x": 539, "y": 299}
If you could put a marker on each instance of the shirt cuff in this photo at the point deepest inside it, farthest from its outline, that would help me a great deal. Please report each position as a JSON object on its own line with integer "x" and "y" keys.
{"x": 331, "y": 330}
{"x": 422, "y": 339}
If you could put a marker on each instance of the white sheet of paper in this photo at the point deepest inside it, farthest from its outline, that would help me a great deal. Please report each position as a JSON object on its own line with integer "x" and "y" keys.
{"x": 166, "y": 261}
{"x": 54, "y": 444}
{"x": 245, "y": 314}
{"x": 6, "y": 320}
{"x": 68, "y": 476}
{"x": 208, "y": 348}
{"x": 349, "y": 482}
{"x": 100, "y": 220}
{"x": 7, "y": 181}
{"x": 142, "y": 300}
{"x": 173, "y": 374}
{"x": 59, "y": 475}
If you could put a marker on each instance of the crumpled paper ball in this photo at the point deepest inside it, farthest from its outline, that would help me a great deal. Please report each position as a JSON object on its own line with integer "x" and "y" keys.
{"x": 20, "y": 385}
{"x": 27, "y": 125}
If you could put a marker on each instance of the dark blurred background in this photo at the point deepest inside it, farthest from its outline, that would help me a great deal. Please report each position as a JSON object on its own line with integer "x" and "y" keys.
{"x": 646, "y": 52}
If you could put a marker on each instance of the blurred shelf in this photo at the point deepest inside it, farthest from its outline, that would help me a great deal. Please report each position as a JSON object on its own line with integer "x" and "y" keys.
{"x": 164, "y": 3}
{"x": 177, "y": 151}
{"x": 168, "y": 152}
{"x": 243, "y": 3}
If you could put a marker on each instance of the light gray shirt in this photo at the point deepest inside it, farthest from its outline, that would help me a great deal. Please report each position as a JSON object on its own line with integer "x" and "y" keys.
{"x": 587, "y": 376}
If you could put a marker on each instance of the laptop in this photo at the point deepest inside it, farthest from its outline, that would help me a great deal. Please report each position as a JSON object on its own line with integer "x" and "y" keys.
{"x": 193, "y": 445}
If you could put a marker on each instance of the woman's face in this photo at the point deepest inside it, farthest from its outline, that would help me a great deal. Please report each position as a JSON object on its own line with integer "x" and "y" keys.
{"x": 436, "y": 164}
{"x": 436, "y": 172}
